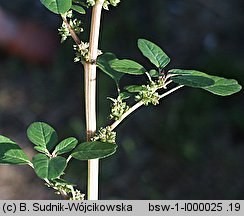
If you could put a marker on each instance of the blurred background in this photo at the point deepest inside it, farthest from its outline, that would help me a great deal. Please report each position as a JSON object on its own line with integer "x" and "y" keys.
{"x": 191, "y": 146}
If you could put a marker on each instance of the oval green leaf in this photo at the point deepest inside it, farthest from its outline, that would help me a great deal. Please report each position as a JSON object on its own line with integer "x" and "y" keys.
{"x": 65, "y": 146}
{"x": 193, "y": 81}
{"x": 42, "y": 134}
{"x": 154, "y": 53}
{"x": 104, "y": 61}
{"x": 128, "y": 66}
{"x": 41, "y": 149}
{"x": 154, "y": 73}
{"x": 124, "y": 95}
{"x": 11, "y": 153}
{"x": 48, "y": 168}
{"x": 78, "y": 9}
{"x": 134, "y": 88}
{"x": 57, "y": 6}
{"x": 221, "y": 86}
{"x": 93, "y": 150}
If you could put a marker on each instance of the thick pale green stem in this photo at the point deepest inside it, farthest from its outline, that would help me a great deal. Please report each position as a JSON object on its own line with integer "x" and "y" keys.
{"x": 90, "y": 97}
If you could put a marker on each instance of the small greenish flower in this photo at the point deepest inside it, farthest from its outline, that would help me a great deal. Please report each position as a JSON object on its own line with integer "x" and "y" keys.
{"x": 118, "y": 108}
{"x": 112, "y": 2}
{"x": 161, "y": 83}
{"x": 69, "y": 14}
{"x": 149, "y": 94}
{"x": 74, "y": 24}
{"x": 64, "y": 32}
{"x": 105, "y": 135}
{"x": 77, "y": 195}
{"x": 67, "y": 189}
{"x": 90, "y": 2}
{"x": 82, "y": 52}
{"x": 105, "y": 4}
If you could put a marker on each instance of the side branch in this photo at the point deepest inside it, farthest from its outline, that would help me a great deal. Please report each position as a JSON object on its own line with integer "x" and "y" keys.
{"x": 171, "y": 91}
{"x": 138, "y": 105}
{"x": 71, "y": 31}
{"x": 128, "y": 112}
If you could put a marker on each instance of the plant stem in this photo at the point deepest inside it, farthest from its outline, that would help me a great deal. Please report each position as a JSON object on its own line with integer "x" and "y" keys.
{"x": 69, "y": 158}
{"x": 128, "y": 112}
{"x": 171, "y": 91}
{"x": 90, "y": 97}
{"x": 138, "y": 105}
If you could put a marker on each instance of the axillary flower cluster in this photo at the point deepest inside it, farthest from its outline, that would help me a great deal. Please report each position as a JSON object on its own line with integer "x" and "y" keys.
{"x": 145, "y": 94}
{"x": 105, "y": 4}
{"x": 105, "y": 135}
{"x": 148, "y": 94}
{"x": 75, "y": 24}
{"x": 81, "y": 48}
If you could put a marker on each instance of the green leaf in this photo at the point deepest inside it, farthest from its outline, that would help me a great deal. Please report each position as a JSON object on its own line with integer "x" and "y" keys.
{"x": 48, "y": 168}
{"x": 41, "y": 149}
{"x": 224, "y": 87}
{"x": 66, "y": 146}
{"x": 42, "y": 134}
{"x": 187, "y": 72}
{"x": 11, "y": 153}
{"x": 103, "y": 62}
{"x": 78, "y": 9}
{"x": 93, "y": 150}
{"x": 154, "y": 53}
{"x": 134, "y": 88}
{"x": 57, "y": 6}
{"x": 79, "y": 2}
{"x": 128, "y": 67}
{"x": 124, "y": 95}
{"x": 221, "y": 86}
{"x": 63, "y": 182}
{"x": 193, "y": 81}
{"x": 154, "y": 73}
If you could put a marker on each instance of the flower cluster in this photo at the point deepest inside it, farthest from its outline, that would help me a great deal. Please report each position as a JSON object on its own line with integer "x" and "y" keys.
{"x": 90, "y": 2}
{"x": 77, "y": 195}
{"x": 105, "y": 135}
{"x": 82, "y": 52}
{"x": 105, "y": 4}
{"x": 112, "y": 2}
{"x": 66, "y": 189}
{"x": 74, "y": 24}
{"x": 148, "y": 94}
{"x": 118, "y": 108}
